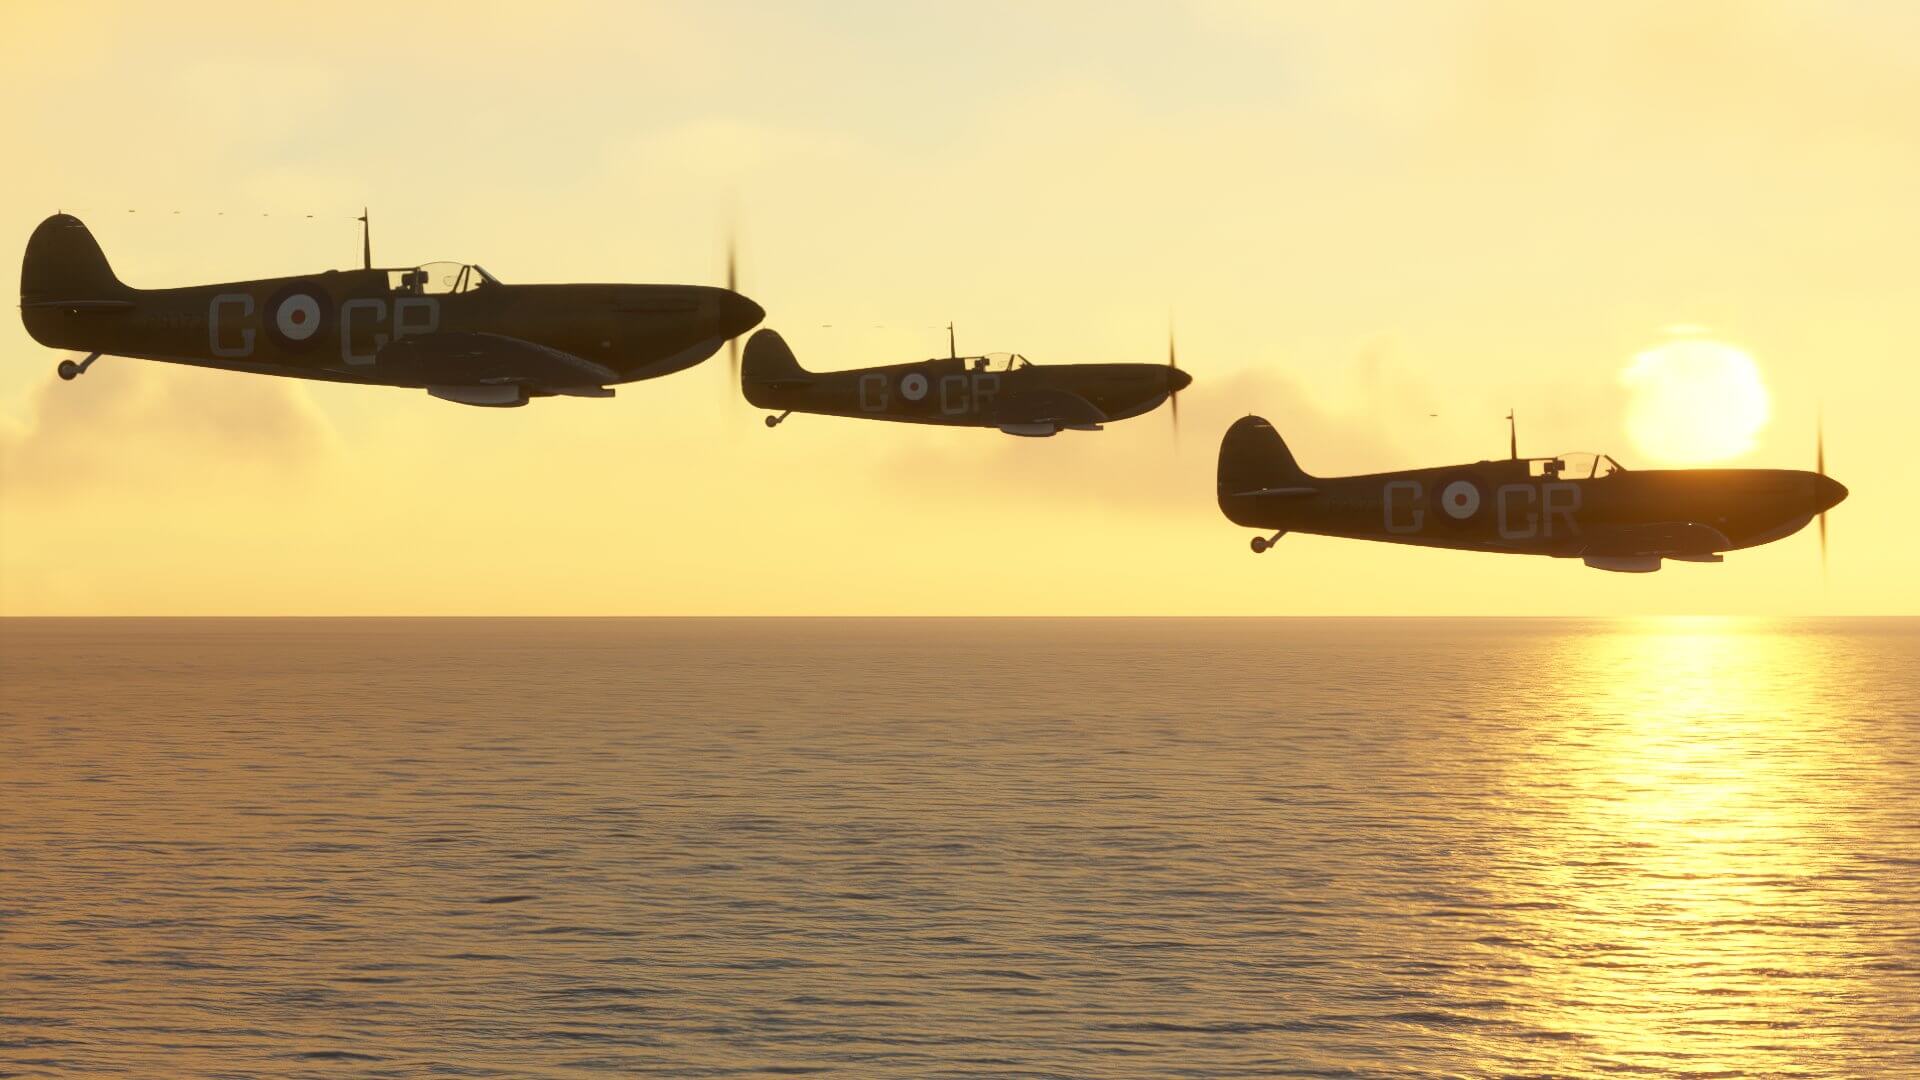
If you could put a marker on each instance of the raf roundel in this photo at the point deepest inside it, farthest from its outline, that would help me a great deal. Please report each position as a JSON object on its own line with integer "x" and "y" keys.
{"x": 297, "y": 315}
{"x": 913, "y": 387}
{"x": 1460, "y": 499}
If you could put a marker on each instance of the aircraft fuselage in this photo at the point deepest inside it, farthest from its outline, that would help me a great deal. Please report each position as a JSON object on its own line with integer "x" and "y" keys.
{"x": 947, "y": 391}
{"x": 1497, "y": 506}
{"x": 332, "y": 325}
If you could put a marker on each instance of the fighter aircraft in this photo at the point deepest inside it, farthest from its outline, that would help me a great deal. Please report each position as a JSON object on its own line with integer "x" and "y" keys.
{"x": 1570, "y": 506}
{"x": 1002, "y": 390}
{"x": 449, "y": 328}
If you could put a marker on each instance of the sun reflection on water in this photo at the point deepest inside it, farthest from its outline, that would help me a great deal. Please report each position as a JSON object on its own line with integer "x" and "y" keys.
{"x": 1687, "y": 883}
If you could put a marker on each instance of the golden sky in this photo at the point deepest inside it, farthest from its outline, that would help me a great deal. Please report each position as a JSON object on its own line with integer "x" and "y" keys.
{"x": 1358, "y": 215}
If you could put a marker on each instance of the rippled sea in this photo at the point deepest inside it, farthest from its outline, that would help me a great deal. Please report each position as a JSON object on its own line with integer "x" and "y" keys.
{"x": 981, "y": 848}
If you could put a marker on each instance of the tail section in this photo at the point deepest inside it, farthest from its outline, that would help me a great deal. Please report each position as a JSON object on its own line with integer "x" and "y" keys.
{"x": 1254, "y": 458}
{"x": 65, "y": 264}
{"x": 1258, "y": 477}
{"x": 769, "y": 365}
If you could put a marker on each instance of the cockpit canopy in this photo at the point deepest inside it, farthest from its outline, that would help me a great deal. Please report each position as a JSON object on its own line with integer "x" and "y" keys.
{"x": 440, "y": 279}
{"x": 1000, "y": 361}
{"x": 1577, "y": 465}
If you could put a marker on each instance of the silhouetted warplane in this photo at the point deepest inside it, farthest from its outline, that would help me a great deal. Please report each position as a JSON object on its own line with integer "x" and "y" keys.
{"x": 1002, "y": 391}
{"x": 448, "y": 328}
{"x": 1574, "y": 506}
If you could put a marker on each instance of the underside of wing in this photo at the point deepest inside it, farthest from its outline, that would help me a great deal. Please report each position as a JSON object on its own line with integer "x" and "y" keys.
{"x": 1046, "y": 412}
{"x": 476, "y": 359}
{"x": 1638, "y": 549}
{"x": 1671, "y": 540}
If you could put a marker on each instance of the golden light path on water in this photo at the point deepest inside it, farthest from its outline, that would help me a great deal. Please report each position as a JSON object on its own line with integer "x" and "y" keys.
{"x": 1698, "y": 849}
{"x": 964, "y": 848}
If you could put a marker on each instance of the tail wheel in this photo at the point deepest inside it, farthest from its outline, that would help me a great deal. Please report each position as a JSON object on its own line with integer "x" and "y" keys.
{"x": 1260, "y": 545}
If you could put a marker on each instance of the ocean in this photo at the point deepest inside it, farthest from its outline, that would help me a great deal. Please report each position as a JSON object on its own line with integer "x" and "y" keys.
{"x": 959, "y": 848}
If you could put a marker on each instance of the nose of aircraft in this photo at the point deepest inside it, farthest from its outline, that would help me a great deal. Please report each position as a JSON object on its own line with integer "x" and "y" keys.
{"x": 739, "y": 314}
{"x": 1177, "y": 380}
{"x": 1828, "y": 492}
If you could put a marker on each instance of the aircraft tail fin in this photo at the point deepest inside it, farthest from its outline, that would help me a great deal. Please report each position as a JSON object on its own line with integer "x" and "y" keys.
{"x": 769, "y": 364}
{"x": 65, "y": 263}
{"x": 1254, "y": 459}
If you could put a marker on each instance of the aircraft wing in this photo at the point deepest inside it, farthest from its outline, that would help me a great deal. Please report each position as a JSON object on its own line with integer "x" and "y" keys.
{"x": 1667, "y": 539}
{"x": 478, "y": 359}
{"x": 1042, "y": 407}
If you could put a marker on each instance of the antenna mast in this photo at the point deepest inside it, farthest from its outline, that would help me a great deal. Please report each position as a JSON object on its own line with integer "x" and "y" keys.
{"x": 952, "y": 353}
{"x": 366, "y": 241}
{"x": 1513, "y": 437}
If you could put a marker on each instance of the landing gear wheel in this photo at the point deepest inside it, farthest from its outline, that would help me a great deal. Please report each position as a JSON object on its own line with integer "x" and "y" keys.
{"x": 68, "y": 370}
{"x": 1260, "y": 545}
{"x": 773, "y": 421}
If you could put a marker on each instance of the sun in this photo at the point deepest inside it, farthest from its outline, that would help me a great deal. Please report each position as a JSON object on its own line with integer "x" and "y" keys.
{"x": 1694, "y": 401}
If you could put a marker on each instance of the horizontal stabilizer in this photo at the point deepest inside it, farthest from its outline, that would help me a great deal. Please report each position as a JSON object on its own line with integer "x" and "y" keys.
{"x": 80, "y": 305}
{"x": 1293, "y": 490}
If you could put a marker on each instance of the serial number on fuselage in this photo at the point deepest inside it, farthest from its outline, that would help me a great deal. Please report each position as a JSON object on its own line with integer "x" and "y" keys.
{"x": 1520, "y": 511}
{"x": 957, "y": 394}
{"x": 297, "y": 319}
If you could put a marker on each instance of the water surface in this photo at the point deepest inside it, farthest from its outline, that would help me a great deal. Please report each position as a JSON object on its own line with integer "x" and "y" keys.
{"x": 980, "y": 848}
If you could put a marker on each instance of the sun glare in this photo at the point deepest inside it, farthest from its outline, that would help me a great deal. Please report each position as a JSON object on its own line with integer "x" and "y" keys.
{"x": 1695, "y": 400}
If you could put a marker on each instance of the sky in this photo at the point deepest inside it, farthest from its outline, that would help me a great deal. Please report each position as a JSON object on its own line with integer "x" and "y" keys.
{"x": 1380, "y": 225}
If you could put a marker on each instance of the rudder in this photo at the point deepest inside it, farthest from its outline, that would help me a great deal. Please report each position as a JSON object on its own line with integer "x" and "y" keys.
{"x": 1253, "y": 457}
{"x": 64, "y": 262}
{"x": 768, "y": 364}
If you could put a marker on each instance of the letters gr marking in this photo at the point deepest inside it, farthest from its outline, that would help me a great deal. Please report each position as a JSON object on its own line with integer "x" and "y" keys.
{"x": 959, "y": 394}
{"x": 231, "y": 333}
{"x": 1521, "y": 511}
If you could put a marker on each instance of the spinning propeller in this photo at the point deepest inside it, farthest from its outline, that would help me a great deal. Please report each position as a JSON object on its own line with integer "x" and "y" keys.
{"x": 1820, "y": 466}
{"x": 733, "y": 343}
{"x": 1173, "y": 392}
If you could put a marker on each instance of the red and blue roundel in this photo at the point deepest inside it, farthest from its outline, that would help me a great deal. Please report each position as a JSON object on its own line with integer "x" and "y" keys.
{"x": 298, "y": 316}
{"x": 914, "y": 386}
{"x": 1459, "y": 500}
